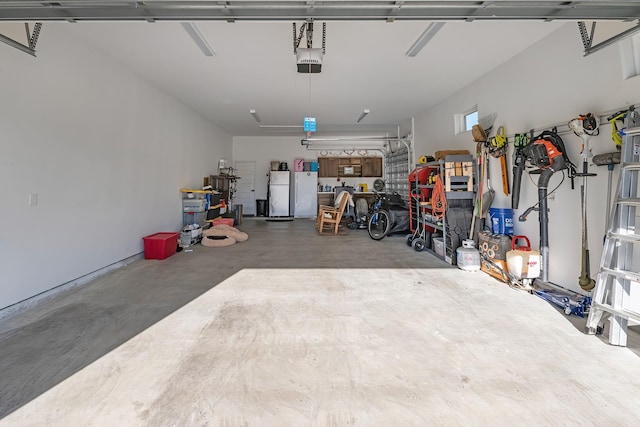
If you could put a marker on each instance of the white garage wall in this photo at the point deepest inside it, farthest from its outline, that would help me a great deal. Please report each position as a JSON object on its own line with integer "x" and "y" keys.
{"x": 107, "y": 154}
{"x": 548, "y": 83}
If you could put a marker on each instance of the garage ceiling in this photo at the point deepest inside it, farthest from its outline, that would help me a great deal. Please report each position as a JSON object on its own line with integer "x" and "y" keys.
{"x": 365, "y": 65}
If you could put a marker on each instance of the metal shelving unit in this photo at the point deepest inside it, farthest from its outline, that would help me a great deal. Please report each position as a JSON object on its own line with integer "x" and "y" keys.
{"x": 458, "y": 185}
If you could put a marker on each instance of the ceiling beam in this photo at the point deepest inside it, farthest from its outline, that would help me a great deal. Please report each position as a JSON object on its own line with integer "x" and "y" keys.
{"x": 158, "y": 10}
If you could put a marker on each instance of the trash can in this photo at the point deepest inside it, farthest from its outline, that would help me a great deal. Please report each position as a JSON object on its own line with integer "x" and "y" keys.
{"x": 237, "y": 214}
{"x": 261, "y": 207}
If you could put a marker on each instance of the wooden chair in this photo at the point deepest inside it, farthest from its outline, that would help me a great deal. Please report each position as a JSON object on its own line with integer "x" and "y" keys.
{"x": 331, "y": 216}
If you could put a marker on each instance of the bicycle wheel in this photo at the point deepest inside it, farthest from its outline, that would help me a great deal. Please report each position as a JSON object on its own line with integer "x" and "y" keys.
{"x": 379, "y": 225}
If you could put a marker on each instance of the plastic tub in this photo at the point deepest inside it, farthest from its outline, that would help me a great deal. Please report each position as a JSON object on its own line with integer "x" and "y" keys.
{"x": 438, "y": 245}
{"x": 160, "y": 245}
{"x": 225, "y": 221}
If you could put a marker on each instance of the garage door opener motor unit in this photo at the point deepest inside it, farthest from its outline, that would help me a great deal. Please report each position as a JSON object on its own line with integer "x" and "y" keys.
{"x": 309, "y": 59}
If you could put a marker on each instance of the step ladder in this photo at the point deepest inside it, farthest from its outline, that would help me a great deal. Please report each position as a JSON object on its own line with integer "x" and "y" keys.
{"x": 617, "y": 277}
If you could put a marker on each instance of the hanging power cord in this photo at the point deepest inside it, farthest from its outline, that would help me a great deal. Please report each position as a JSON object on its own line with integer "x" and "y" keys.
{"x": 438, "y": 199}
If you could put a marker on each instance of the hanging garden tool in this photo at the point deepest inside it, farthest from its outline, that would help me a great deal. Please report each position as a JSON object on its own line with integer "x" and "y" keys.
{"x": 520, "y": 140}
{"x": 616, "y": 134}
{"x": 611, "y": 159}
{"x": 608, "y": 159}
{"x": 498, "y": 149}
{"x": 585, "y": 127}
{"x": 489, "y": 194}
{"x": 478, "y": 197}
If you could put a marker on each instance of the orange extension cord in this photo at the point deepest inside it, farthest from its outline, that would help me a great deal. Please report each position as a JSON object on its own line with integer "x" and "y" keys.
{"x": 438, "y": 199}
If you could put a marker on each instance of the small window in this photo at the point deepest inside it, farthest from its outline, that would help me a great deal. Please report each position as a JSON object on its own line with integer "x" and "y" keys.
{"x": 470, "y": 120}
{"x": 465, "y": 121}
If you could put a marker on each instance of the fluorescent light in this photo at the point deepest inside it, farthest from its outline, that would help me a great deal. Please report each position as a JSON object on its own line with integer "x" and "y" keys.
{"x": 281, "y": 126}
{"x": 422, "y": 41}
{"x": 362, "y": 116}
{"x": 197, "y": 37}
{"x": 255, "y": 115}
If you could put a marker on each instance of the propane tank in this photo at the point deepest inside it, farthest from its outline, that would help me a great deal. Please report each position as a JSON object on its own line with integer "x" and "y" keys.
{"x": 468, "y": 256}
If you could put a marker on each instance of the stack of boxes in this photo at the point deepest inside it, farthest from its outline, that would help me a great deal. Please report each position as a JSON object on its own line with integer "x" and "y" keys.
{"x": 195, "y": 204}
{"x": 198, "y": 208}
{"x": 301, "y": 165}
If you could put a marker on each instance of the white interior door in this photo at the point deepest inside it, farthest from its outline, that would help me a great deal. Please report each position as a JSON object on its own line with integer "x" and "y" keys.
{"x": 246, "y": 187}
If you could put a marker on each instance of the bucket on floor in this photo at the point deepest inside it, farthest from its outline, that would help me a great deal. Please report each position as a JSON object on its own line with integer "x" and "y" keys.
{"x": 501, "y": 220}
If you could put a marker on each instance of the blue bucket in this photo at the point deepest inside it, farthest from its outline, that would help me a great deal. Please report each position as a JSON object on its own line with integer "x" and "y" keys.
{"x": 501, "y": 220}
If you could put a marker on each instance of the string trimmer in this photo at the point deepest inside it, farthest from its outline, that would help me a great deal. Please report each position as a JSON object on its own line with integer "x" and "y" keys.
{"x": 585, "y": 127}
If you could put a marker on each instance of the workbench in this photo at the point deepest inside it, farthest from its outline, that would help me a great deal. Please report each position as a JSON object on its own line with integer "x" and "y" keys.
{"x": 327, "y": 197}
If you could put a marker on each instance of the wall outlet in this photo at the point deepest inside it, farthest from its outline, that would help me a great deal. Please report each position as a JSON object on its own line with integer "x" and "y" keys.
{"x": 33, "y": 199}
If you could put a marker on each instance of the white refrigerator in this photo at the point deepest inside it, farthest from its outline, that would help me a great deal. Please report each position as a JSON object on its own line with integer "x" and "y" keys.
{"x": 304, "y": 193}
{"x": 279, "y": 193}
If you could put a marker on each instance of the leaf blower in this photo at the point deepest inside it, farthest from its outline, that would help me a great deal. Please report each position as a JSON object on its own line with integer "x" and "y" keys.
{"x": 547, "y": 152}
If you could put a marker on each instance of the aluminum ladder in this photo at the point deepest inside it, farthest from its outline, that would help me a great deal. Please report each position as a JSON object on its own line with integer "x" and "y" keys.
{"x": 616, "y": 277}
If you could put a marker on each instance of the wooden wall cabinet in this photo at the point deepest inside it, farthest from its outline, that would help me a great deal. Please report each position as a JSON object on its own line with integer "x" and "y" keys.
{"x": 332, "y": 167}
{"x": 349, "y": 166}
{"x": 372, "y": 167}
{"x": 327, "y": 167}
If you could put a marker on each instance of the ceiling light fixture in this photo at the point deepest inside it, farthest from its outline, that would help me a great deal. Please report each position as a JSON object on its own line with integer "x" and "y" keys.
{"x": 255, "y": 115}
{"x": 197, "y": 37}
{"x": 281, "y": 126}
{"x": 362, "y": 116}
{"x": 422, "y": 41}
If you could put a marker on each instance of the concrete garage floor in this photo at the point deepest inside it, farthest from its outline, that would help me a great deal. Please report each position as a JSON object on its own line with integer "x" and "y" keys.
{"x": 293, "y": 328}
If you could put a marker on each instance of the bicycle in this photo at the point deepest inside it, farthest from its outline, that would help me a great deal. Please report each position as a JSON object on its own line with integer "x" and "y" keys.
{"x": 379, "y": 222}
